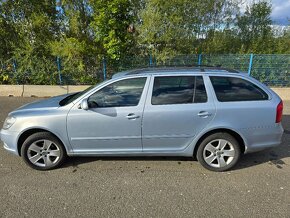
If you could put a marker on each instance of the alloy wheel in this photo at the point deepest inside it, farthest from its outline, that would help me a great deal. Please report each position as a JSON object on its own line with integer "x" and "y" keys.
{"x": 219, "y": 153}
{"x": 43, "y": 153}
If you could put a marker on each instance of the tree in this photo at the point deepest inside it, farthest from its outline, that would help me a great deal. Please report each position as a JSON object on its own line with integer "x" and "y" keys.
{"x": 75, "y": 45}
{"x": 111, "y": 20}
{"x": 82, "y": 32}
{"x": 283, "y": 43}
{"x": 254, "y": 28}
{"x": 32, "y": 24}
{"x": 168, "y": 28}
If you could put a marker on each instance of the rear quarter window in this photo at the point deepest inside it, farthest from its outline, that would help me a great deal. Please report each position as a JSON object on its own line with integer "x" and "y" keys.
{"x": 236, "y": 89}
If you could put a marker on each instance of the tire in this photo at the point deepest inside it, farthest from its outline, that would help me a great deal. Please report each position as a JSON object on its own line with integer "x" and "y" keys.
{"x": 43, "y": 151}
{"x": 219, "y": 152}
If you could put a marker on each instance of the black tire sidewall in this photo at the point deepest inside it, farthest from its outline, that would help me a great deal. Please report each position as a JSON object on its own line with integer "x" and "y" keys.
{"x": 212, "y": 137}
{"x": 42, "y": 136}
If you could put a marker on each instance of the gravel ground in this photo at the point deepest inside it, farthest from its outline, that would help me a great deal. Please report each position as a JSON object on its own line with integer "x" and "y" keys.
{"x": 259, "y": 186}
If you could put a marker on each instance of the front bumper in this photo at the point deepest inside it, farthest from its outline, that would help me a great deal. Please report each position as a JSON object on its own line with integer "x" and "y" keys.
{"x": 9, "y": 138}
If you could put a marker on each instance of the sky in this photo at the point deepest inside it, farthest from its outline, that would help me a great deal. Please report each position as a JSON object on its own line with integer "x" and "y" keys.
{"x": 280, "y": 11}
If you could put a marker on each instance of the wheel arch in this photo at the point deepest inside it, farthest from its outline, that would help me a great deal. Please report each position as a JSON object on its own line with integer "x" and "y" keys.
{"x": 233, "y": 133}
{"x": 25, "y": 134}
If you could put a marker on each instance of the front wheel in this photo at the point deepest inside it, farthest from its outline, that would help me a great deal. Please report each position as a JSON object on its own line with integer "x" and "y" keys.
{"x": 219, "y": 152}
{"x": 43, "y": 151}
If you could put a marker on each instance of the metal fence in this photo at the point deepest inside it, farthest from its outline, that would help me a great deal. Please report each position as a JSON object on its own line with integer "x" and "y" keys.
{"x": 273, "y": 70}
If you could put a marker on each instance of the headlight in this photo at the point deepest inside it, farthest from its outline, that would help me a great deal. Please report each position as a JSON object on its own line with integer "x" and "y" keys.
{"x": 9, "y": 122}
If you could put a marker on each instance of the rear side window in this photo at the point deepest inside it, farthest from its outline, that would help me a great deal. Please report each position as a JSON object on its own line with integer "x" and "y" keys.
{"x": 178, "y": 90}
{"x": 236, "y": 89}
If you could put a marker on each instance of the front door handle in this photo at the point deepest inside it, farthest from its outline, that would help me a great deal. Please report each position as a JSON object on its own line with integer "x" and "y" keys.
{"x": 204, "y": 114}
{"x": 132, "y": 116}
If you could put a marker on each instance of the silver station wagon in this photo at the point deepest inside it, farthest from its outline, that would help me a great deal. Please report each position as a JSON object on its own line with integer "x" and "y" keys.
{"x": 213, "y": 114}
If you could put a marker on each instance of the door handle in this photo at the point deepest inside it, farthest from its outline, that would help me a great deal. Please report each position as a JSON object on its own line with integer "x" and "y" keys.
{"x": 132, "y": 116}
{"x": 204, "y": 114}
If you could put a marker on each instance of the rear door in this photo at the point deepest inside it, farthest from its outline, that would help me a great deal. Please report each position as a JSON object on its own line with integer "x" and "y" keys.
{"x": 176, "y": 110}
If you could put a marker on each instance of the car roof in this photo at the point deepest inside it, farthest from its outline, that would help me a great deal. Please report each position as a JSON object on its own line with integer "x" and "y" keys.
{"x": 176, "y": 70}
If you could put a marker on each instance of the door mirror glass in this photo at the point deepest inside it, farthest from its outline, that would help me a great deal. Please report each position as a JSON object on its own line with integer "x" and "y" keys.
{"x": 84, "y": 104}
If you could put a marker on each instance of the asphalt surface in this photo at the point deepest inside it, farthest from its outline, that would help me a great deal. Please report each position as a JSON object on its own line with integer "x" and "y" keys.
{"x": 259, "y": 186}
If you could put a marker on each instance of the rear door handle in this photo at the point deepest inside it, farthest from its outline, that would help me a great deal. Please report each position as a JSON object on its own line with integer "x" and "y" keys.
{"x": 132, "y": 116}
{"x": 204, "y": 114}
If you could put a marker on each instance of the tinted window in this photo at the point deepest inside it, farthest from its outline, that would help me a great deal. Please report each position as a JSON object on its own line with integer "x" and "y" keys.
{"x": 200, "y": 92}
{"x": 236, "y": 89}
{"x": 178, "y": 90}
{"x": 123, "y": 93}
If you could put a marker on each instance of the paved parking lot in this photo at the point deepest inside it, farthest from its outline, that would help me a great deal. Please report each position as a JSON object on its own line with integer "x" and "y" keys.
{"x": 259, "y": 186}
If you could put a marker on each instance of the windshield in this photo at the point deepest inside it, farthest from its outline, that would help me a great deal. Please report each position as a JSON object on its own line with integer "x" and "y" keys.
{"x": 74, "y": 96}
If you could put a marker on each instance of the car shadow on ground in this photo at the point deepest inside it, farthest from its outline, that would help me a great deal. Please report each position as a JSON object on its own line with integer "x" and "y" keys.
{"x": 76, "y": 161}
{"x": 273, "y": 156}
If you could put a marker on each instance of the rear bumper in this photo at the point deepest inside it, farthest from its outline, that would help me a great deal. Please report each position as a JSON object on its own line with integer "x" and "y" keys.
{"x": 263, "y": 138}
{"x": 9, "y": 138}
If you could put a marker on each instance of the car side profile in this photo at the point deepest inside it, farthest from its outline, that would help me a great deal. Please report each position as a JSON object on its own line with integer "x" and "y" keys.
{"x": 210, "y": 113}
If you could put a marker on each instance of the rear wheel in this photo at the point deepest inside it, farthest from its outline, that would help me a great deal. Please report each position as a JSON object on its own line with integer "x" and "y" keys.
{"x": 219, "y": 152}
{"x": 43, "y": 151}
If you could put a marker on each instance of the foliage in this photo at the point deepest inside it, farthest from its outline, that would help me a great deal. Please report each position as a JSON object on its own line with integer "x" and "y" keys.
{"x": 81, "y": 33}
{"x": 255, "y": 28}
{"x": 111, "y": 20}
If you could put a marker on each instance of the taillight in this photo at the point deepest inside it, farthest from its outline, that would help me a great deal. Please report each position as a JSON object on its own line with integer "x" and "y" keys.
{"x": 279, "y": 112}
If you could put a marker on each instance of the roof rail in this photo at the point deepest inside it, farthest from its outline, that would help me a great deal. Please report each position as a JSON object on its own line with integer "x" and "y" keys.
{"x": 202, "y": 68}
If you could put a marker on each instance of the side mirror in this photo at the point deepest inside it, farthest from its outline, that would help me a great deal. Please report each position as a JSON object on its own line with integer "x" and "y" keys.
{"x": 84, "y": 104}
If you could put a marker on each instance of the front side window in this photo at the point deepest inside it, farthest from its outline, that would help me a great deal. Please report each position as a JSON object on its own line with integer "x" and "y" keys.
{"x": 124, "y": 93}
{"x": 178, "y": 90}
{"x": 236, "y": 89}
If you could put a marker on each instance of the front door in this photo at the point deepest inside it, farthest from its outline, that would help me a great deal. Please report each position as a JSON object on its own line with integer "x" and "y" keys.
{"x": 112, "y": 124}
